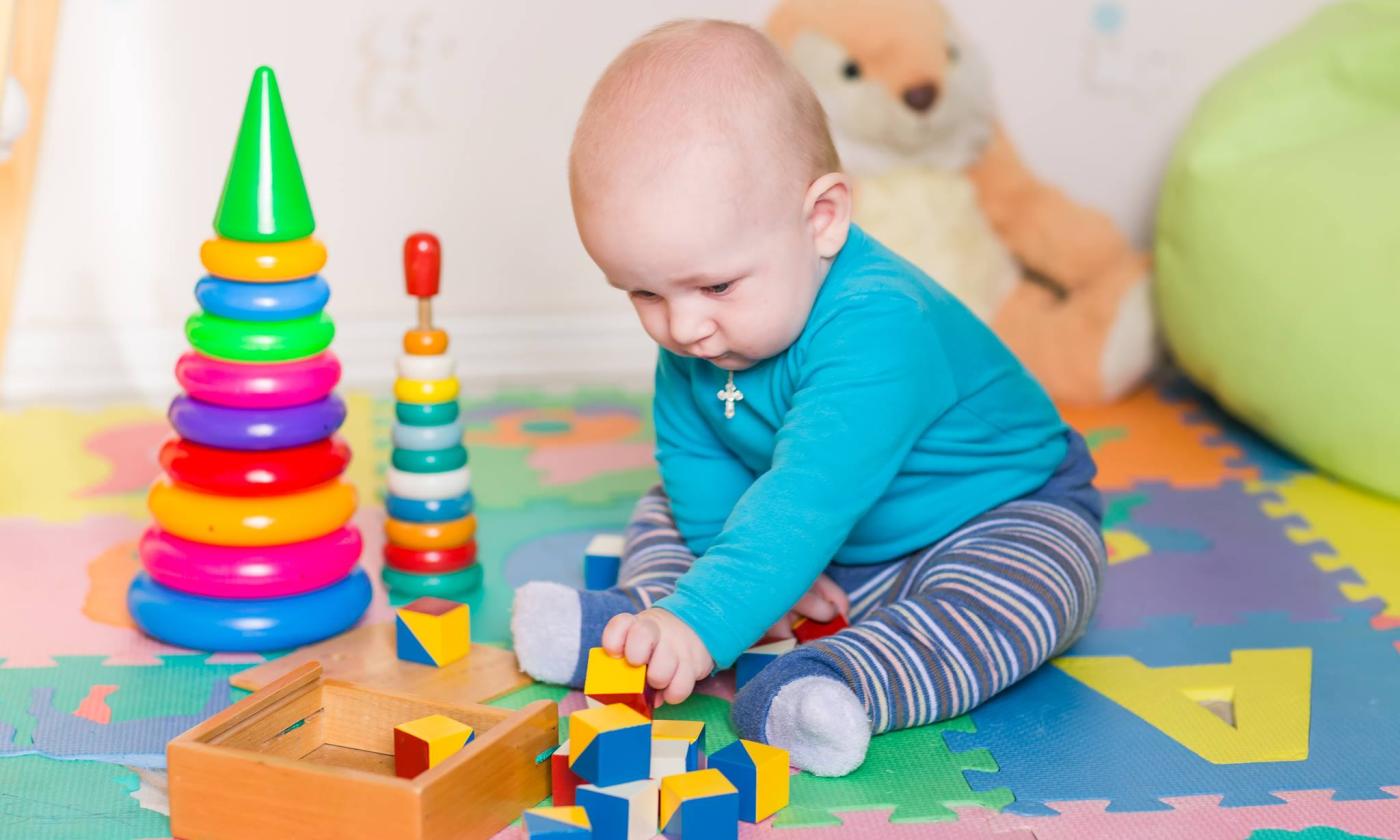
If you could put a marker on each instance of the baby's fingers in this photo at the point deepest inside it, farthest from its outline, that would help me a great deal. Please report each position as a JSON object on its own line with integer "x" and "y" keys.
{"x": 680, "y": 688}
{"x": 615, "y": 633}
{"x": 662, "y": 667}
{"x": 641, "y": 641}
{"x": 816, "y": 607}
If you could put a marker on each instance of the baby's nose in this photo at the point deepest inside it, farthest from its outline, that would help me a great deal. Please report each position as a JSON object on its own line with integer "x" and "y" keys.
{"x": 921, "y": 97}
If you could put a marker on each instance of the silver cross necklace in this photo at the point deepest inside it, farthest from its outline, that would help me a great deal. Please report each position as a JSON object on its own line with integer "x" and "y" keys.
{"x": 730, "y": 395}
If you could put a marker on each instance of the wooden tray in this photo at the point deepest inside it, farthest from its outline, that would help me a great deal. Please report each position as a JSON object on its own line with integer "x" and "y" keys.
{"x": 367, "y": 657}
{"x": 311, "y": 757}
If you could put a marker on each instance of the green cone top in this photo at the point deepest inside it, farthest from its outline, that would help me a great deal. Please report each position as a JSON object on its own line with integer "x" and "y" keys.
{"x": 264, "y": 198}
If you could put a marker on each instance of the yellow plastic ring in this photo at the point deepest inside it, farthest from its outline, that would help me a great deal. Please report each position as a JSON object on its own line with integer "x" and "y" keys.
{"x": 427, "y": 536}
{"x": 425, "y": 390}
{"x": 262, "y": 262}
{"x": 250, "y": 521}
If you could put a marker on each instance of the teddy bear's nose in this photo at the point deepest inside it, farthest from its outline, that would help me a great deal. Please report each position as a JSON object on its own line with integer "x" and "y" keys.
{"x": 921, "y": 97}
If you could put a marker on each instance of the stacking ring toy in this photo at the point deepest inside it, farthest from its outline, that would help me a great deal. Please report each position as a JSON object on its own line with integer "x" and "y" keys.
{"x": 429, "y": 510}
{"x": 425, "y": 342}
{"x": 426, "y": 367}
{"x": 259, "y": 341}
{"x": 256, "y": 428}
{"x": 258, "y": 521}
{"x": 425, "y": 390}
{"x": 242, "y": 301}
{"x": 262, "y": 262}
{"x": 242, "y": 385}
{"x": 430, "y": 460}
{"x": 442, "y": 586}
{"x": 426, "y": 486}
{"x": 273, "y": 571}
{"x": 428, "y": 437}
{"x": 428, "y": 535}
{"x": 427, "y": 414}
{"x": 230, "y": 472}
{"x": 199, "y": 623}
{"x": 435, "y": 561}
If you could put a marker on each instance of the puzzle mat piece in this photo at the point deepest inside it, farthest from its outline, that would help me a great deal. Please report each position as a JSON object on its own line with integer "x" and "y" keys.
{"x": 1058, "y": 740}
{"x": 146, "y": 706}
{"x": 44, "y": 799}
{"x": 1317, "y": 832}
{"x": 1118, "y": 517}
{"x": 913, "y": 771}
{"x": 1159, "y": 444}
{"x": 1273, "y": 464}
{"x": 1251, "y": 565}
{"x": 1202, "y": 818}
{"x": 1361, "y": 529}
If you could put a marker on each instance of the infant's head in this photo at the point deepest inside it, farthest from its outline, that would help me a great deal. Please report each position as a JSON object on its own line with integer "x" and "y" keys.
{"x": 706, "y": 186}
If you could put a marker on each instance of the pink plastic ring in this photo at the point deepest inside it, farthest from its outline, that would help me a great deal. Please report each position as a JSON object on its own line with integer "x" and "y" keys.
{"x": 249, "y": 385}
{"x": 271, "y": 571}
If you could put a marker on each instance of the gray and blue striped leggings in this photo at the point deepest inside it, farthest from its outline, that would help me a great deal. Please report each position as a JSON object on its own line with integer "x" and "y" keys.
{"x": 933, "y": 633}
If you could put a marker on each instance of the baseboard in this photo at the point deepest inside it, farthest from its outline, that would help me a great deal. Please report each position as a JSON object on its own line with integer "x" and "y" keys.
{"x": 68, "y": 365}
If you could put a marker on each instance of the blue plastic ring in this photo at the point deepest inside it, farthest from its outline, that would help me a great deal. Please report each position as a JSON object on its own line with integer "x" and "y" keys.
{"x": 262, "y": 301}
{"x": 251, "y": 624}
{"x": 428, "y": 437}
{"x": 256, "y": 429}
{"x": 434, "y": 510}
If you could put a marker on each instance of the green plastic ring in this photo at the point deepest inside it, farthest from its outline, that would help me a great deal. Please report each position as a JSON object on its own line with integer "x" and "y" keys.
{"x": 427, "y": 414}
{"x": 440, "y": 586}
{"x": 430, "y": 460}
{"x": 266, "y": 341}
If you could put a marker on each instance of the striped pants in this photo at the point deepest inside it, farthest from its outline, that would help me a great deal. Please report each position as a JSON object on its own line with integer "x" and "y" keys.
{"x": 933, "y": 633}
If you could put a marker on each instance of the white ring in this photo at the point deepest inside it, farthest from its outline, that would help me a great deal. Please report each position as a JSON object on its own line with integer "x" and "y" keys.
{"x": 440, "y": 366}
{"x": 423, "y": 438}
{"x": 428, "y": 487}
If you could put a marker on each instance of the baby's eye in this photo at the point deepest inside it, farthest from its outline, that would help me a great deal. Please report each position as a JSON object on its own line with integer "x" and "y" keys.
{"x": 642, "y": 294}
{"x": 719, "y": 288}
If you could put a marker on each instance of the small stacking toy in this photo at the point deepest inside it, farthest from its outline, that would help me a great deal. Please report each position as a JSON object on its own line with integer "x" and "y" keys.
{"x": 430, "y": 533}
{"x": 252, "y": 547}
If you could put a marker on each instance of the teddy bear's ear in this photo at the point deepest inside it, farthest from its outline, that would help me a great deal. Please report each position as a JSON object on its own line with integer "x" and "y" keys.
{"x": 783, "y": 24}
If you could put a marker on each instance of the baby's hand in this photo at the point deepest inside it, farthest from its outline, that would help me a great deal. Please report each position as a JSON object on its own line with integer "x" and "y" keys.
{"x": 823, "y": 602}
{"x": 674, "y": 655}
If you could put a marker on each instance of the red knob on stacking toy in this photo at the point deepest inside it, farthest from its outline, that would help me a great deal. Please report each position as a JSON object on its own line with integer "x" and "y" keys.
{"x": 422, "y": 264}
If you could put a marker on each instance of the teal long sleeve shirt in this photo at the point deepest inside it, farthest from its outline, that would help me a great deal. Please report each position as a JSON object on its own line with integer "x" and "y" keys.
{"x": 895, "y": 417}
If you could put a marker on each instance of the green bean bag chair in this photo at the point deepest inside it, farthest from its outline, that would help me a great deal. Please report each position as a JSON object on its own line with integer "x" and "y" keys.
{"x": 1278, "y": 243}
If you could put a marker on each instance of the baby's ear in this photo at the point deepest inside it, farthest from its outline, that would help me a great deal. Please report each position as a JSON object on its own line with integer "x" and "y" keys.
{"x": 828, "y": 212}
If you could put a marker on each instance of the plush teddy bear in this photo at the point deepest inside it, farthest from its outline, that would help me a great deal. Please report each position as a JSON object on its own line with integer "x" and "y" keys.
{"x": 937, "y": 180}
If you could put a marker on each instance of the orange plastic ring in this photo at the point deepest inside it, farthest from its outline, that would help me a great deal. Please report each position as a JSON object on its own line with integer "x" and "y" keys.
{"x": 262, "y": 262}
{"x": 425, "y": 342}
{"x": 250, "y": 520}
{"x": 427, "y": 536}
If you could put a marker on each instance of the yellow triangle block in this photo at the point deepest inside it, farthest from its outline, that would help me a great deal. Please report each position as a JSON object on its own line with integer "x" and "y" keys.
{"x": 1270, "y": 691}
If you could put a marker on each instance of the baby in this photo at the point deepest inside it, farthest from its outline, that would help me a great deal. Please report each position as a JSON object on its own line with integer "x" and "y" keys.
{"x": 835, "y": 432}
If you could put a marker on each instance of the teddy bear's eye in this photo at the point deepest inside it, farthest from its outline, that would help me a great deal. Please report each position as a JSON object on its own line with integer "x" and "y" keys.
{"x": 851, "y": 70}
{"x": 953, "y": 53}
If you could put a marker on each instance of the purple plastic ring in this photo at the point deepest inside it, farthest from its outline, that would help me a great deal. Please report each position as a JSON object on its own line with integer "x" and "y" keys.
{"x": 255, "y": 428}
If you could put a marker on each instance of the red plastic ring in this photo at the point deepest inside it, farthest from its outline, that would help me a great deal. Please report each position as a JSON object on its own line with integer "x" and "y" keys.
{"x": 231, "y": 472}
{"x": 430, "y": 561}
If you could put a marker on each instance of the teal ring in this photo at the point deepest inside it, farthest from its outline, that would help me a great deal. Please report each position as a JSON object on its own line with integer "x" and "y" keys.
{"x": 440, "y": 586}
{"x": 427, "y": 414}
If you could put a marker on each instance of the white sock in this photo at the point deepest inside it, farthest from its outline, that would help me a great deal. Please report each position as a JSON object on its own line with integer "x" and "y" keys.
{"x": 545, "y": 623}
{"x": 822, "y": 725}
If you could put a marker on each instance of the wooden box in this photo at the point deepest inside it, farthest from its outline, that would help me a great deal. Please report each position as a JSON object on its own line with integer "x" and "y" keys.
{"x": 309, "y": 757}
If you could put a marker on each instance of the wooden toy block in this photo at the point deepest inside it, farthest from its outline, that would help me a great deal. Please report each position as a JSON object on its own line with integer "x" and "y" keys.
{"x": 612, "y": 679}
{"x": 433, "y": 631}
{"x": 422, "y": 744}
{"x": 601, "y": 561}
{"x": 564, "y": 781}
{"x": 760, "y": 773}
{"x": 610, "y": 745}
{"x": 692, "y": 732}
{"x": 558, "y": 823}
{"x": 806, "y": 630}
{"x": 668, "y": 757}
{"x": 755, "y": 659}
{"x": 702, "y": 805}
{"x": 312, "y": 758}
{"x": 621, "y": 812}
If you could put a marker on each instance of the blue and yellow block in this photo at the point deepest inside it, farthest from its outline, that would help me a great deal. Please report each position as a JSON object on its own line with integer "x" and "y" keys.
{"x": 621, "y": 812}
{"x": 602, "y": 560}
{"x": 610, "y": 745}
{"x": 612, "y": 679}
{"x": 759, "y": 772}
{"x": 433, "y": 631}
{"x": 702, "y": 805}
{"x": 677, "y": 746}
{"x": 561, "y": 823}
{"x": 424, "y": 743}
{"x": 755, "y": 659}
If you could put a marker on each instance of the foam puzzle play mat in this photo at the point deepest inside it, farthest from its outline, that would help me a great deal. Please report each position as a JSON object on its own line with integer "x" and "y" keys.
{"x": 1240, "y": 679}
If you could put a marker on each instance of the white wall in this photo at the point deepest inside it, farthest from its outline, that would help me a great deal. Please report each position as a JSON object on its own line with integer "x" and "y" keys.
{"x": 455, "y": 117}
